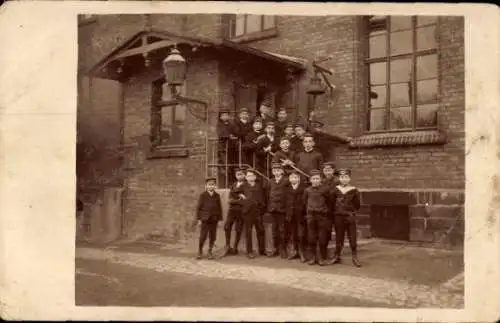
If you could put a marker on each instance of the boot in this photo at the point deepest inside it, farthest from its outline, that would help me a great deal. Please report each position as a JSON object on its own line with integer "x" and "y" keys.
{"x": 283, "y": 253}
{"x": 302, "y": 255}
{"x": 199, "y": 256}
{"x": 293, "y": 255}
{"x": 311, "y": 261}
{"x": 234, "y": 251}
{"x": 251, "y": 255}
{"x": 355, "y": 261}
{"x": 210, "y": 255}
{"x": 275, "y": 253}
{"x": 336, "y": 259}
{"x": 227, "y": 251}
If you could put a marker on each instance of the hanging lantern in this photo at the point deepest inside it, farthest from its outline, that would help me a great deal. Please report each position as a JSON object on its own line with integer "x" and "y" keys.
{"x": 315, "y": 86}
{"x": 174, "y": 68}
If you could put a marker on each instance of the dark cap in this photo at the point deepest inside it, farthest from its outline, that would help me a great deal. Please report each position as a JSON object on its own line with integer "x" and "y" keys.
{"x": 257, "y": 120}
{"x": 276, "y": 165}
{"x": 289, "y": 125}
{"x": 293, "y": 171}
{"x": 284, "y": 138}
{"x": 240, "y": 169}
{"x": 329, "y": 164}
{"x": 210, "y": 179}
{"x": 282, "y": 109}
{"x": 223, "y": 110}
{"x": 270, "y": 123}
{"x": 308, "y": 134}
{"x": 315, "y": 172}
{"x": 300, "y": 124}
{"x": 344, "y": 171}
{"x": 267, "y": 102}
{"x": 250, "y": 170}
{"x": 317, "y": 123}
{"x": 243, "y": 110}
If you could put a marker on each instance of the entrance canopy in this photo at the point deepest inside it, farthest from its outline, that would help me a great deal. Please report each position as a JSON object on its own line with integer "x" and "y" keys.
{"x": 149, "y": 47}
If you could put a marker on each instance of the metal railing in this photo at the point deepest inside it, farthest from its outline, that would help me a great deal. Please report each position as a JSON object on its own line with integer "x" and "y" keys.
{"x": 218, "y": 162}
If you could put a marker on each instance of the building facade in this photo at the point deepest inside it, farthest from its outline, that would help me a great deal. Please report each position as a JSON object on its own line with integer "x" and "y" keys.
{"x": 398, "y": 92}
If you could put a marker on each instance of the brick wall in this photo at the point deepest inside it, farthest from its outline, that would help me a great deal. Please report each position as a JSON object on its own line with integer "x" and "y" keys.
{"x": 161, "y": 193}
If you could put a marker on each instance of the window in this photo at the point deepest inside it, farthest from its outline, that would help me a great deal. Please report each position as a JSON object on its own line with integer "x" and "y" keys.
{"x": 402, "y": 66}
{"x": 257, "y": 25}
{"x": 168, "y": 121}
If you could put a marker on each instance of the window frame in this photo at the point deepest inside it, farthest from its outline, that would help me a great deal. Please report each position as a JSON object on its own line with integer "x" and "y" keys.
{"x": 413, "y": 55}
{"x": 262, "y": 33}
{"x": 158, "y": 149}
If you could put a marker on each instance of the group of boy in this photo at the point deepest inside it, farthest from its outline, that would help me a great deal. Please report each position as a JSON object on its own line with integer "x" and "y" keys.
{"x": 304, "y": 204}
{"x": 256, "y": 142}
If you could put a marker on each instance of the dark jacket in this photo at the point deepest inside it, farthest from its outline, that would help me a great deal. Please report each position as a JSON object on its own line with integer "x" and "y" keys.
{"x": 241, "y": 130}
{"x": 256, "y": 198}
{"x": 250, "y": 143}
{"x": 294, "y": 202}
{"x": 276, "y": 197}
{"x": 347, "y": 203}
{"x": 209, "y": 208}
{"x": 281, "y": 155}
{"x": 265, "y": 142}
{"x": 316, "y": 199}
{"x": 296, "y": 144}
{"x": 235, "y": 202}
{"x": 308, "y": 161}
{"x": 280, "y": 128}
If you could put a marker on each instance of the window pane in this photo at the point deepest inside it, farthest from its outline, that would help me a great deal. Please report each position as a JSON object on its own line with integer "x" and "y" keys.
{"x": 377, "y": 25}
{"x": 180, "y": 114}
{"x": 426, "y": 67}
{"x": 378, "y": 73}
{"x": 400, "y": 95}
{"x": 401, "y": 70}
{"x": 427, "y": 91}
{"x": 377, "y": 120}
{"x": 240, "y": 25}
{"x": 426, "y": 20}
{"x": 400, "y": 22}
{"x": 378, "y": 46}
{"x": 253, "y": 23}
{"x": 426, "y": 38}
{"x": 378, "y": 96}
{"x": 269, "y": 22}
{"x": 401, "y": 118}
{"x": 427, "y": 115}
{"x": 401, "y": 42}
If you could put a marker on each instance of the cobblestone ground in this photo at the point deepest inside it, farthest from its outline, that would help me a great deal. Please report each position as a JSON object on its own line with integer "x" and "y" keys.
{"x": 393, "y": 293}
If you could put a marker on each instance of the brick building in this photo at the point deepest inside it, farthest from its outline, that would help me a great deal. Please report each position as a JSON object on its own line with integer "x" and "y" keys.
{"x": 398, "y": 92}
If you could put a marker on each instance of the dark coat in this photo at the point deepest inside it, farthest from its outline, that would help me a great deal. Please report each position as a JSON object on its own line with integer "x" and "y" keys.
{"x": 281, "y": 155}
{"x": 280, "y": 128}
{"x": 296, "y": 144}
{"x": 276, "y": 197}
{"x": 235, "y": 202}
{"x": 209, "y": 208}
{"x": 250, "y": 143}
{"x": 265, "y": 142}
{"x": 307, "y": 161}
{"x": 256, "y": 198}
{"x": 316, "y": 199}
{"x": 294, "y": 202}
{"x": 347, "y": 203}
{"x": 241, "y": 130}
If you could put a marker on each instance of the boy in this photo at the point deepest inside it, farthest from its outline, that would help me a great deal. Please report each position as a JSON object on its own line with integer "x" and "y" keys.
{"x": 276, "y": 208}
{"x": 295, "y": 223}
{"x": 316, "y": 199}
{"x": 234, "y": 213}
{"x": 309, "y": 158}
{"x": 284, "y": 156}
{"x": 297, "y": 142}
{"x": 250, "y": 143}
{"x": 254, "y": 205}
{"x": 208, "y": 213}
{"x": 242, "y": 127}
{"x": 289, "y": 132}
{"x": 347, "y": 203}
{"x": 330, "y": 180}
{"x": 281, "y": 122}
{"x": 227, "y": 144}
{"x": 266, "y": 146}
{"x": 265, "y": 112}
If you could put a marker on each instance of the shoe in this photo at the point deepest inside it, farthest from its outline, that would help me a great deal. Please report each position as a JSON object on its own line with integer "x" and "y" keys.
{"x": 227, "y": 251}
{"x": 311, "y": 262}
{"x": 302, "y": 258}
{"x": 336, "y": 260}
{"x": 275, "y": 253}
{"x": 251, "y": 255}
{"x": 199, "y": 256}
{"x": 262, "y": 253}
{"x": 283, "y": 254}
{"x": 329, "y": 262}
{"x": 211, "y": 255}
{"x": 355, "y": 261}
{"x": 234, "y": 251}
{"x": 293, "y": 256}
{"x": 321, "y": 262}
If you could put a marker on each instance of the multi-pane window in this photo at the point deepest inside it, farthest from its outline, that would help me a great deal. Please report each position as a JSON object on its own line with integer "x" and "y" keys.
{"x": 249, "y": 24}
{"x": 402, "y": 67}
{"x": 168, "y": 120}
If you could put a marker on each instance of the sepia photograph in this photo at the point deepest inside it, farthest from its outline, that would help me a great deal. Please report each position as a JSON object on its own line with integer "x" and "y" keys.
{"x": 245, "y": 160}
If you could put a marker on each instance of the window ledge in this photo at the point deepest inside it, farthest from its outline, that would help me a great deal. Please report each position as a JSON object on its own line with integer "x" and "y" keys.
{"x": 409, "y": 138}
{"x": 260, "y": 35}
{"x": 168, "y": 152}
